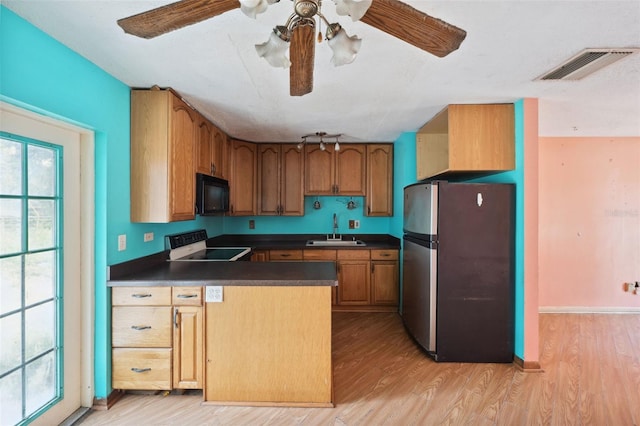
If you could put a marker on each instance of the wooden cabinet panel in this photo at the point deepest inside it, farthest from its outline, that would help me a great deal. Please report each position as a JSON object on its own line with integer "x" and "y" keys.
{"x": 140, "y": 296}
{"x": 291, "y": 181}
{"x": 141, "y": 369}
{"x": 350, "y": 170}
{"x": 384, "y": 254}
{"x": 243, "y": 179}
{"x": 260, "y": 256}
{"x": 467, "y": 138}
{"x": 217, "y": 152}
{"x": 163, "y": 138}
{"x": 186, "y": 296}
{"x": 204, "y": 146}
{"x": 384, "y": 282}
{"x": 354, "y": 282}
{"x": 330, "y": 172}
{"x": 188, "y": 347}
{"x": 141, "y": 326}
{"x": 268, "y": 179}
{"x": 379, "y": 184}
{"x": 286, "y": 255}
{"x": 321, "y": 255}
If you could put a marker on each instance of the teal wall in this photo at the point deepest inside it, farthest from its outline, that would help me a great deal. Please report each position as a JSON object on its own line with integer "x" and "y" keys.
{"x": 44, "y": 76}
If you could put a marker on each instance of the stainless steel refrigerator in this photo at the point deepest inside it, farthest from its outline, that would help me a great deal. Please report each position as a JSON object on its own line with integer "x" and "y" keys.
{"x": 458, "y": 270}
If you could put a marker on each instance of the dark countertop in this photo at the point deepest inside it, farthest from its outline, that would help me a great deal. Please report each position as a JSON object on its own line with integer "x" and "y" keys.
{"x": 229, "y": 274}
{"x": 155, "y": 270}
{"x": 298, "y": 241}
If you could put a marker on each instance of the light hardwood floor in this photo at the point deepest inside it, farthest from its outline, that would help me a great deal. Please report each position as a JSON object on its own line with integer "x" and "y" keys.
{"x": 591, "y": 376}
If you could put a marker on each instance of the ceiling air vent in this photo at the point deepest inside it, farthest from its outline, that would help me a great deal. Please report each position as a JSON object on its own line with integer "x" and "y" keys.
{"x": 586, "y": 62}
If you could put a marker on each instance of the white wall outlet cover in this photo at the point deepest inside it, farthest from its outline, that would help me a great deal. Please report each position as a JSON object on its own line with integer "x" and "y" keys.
{"x": 122, "y": 242}
{"x": 148, "y": 236}
{"x": 213, "y": 293}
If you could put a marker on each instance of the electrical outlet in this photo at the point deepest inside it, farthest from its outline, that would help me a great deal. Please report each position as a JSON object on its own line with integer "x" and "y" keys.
{"x": 148, "y": 236}
{"x": 356, "y": 224}
{"x": 122, "y": 242}
{"x": 252, "y": 224}
{"x": 352, "y": 224}
{"x": 213, "y": 293}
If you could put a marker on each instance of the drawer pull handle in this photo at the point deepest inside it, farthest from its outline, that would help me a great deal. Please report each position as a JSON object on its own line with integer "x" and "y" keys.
{"x": 385, "y": 255}
{"x": 141, "y": 327}
{"x": 186, "y": 296}
{"x": 140, "y": 370}
{"x": 285, "y": 255}
{"x": 141, "y": 295}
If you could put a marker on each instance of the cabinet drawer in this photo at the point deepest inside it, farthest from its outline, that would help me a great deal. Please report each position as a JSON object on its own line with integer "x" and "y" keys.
{"x": 141, "y": 327}
{"x": 141, "y": 368}
{"x": 384, "y": 254}
{"x": 353, "y": 254}
{"x": 141, "y": 296}
{"x": 285, "y": 255}
{"x": 187, "y": 296}
{"x": 319, "y": 255}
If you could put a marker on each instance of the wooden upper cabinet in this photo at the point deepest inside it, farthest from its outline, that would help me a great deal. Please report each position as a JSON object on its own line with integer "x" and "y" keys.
{"x": 163, "y": 137}
{"x": 331, "y": 172}
{"x": 209, "y": 148}
{"x": 467, "y": 138}
{"x": 242, "y": 182}
{"x": 379, "y": 200}
{"x": 280, "y": 180}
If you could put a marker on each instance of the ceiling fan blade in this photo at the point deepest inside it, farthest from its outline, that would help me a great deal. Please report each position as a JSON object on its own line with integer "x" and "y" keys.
{"x": 173, "y": 16}
{"x": 301, "y": 53}
{"x": 413, "y": 26}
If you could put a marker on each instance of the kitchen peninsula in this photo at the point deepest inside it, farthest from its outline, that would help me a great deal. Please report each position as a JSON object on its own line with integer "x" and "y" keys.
{"x": 267, "y": 342}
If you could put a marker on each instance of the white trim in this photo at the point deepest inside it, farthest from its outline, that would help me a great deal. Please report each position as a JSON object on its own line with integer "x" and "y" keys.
{"x": 15, "y": 120}
{"x": 589, "y": 310}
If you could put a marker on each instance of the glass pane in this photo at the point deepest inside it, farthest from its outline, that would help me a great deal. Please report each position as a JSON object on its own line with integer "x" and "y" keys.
{"x": 40, "y": 330}
{"x": 41, "y": 382}
{"x": 11, "y": 343}
{"x": 10, "y": 279}
{"x": 10, "y": 389}
{"x": 10, "y": 167}
{"x": 41, "y": 224}
{"x": 42, "y": 171}
{"x": 10, "y": 226}
{"x": 40, "y": 277}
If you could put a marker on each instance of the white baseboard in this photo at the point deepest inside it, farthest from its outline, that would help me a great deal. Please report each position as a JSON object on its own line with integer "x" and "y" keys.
{"x": 589, "y": 310}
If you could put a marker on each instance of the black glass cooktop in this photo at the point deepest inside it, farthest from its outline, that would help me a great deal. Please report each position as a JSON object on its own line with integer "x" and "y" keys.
{"x": 217, "y": 253}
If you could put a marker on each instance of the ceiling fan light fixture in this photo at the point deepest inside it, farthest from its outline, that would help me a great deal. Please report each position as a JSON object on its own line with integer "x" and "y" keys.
{"x": 345, "y": 47}
{"x": 274, "y": 50}
{"x": 353, "y": 8}
{"x": 252, "y": 8}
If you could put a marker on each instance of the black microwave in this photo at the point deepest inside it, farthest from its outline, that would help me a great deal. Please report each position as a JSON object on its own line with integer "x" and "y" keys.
{"x": 212, "y": 195}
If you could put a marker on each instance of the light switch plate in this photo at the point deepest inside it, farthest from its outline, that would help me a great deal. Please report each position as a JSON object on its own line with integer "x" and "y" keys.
{"x": 213, "y": 293}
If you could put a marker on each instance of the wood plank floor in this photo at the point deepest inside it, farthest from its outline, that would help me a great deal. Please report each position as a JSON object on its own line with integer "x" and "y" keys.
{"x": 591, "y": 376}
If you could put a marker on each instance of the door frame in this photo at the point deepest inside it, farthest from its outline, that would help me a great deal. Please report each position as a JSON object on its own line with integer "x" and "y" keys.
{"x": 14, "y": 120}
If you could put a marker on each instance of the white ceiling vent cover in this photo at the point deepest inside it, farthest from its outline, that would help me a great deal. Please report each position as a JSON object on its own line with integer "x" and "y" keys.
{"x": 586, "y": 62}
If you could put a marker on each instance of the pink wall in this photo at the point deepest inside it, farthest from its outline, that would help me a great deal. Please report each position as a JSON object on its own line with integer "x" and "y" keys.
{"x": 589, "y": 223}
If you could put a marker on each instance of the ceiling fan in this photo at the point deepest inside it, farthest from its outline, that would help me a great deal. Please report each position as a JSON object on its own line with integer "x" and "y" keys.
{"x": 298, "y": 34}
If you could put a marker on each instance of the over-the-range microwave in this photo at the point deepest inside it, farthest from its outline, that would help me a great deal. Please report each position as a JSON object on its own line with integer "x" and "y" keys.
{"x": 212, "y": 195}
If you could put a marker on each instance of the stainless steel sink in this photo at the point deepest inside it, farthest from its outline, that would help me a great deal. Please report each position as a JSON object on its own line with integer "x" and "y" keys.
{"x": 337, "y": 243}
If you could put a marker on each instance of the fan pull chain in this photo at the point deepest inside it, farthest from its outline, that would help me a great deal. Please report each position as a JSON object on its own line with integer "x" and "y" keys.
{"x": 319, "y": 31}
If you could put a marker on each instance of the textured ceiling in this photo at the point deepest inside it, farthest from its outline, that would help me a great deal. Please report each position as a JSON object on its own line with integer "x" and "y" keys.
{"x": 391, "y": 87}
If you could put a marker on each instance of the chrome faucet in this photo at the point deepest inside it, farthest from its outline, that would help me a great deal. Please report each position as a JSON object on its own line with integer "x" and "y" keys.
{"x": 335, "y": 225}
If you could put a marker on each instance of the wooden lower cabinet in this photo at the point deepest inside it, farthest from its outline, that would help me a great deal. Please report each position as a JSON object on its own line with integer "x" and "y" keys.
{"x": 385, "y": 277}
{"x": 157, "y": 338}
{"x": 354, "y": 277}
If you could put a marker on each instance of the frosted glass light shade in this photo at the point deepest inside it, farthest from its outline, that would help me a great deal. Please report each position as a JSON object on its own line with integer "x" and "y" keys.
{"x": 274, "y": 51}
{"x": 353, "y": 8}
{"x": 344, "y": 48}
{"x": 252, "y": 8}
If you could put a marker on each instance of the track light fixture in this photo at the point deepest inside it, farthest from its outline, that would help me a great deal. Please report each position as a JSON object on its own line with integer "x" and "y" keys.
{"x": 321, "y": 136}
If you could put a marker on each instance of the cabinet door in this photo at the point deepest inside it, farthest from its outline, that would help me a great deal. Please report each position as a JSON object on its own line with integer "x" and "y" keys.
{"x": 354, "y": 282}
{"x": 260, "y": 256}
{"x": 141, "y": 368}
{"x": 379, "y": 200}
{"x": 243, "y": 179}
{"x": 217, "y": 152}
{"x": 181, "y": 154}
{"x": 187, "y": 347}
{"x": 268, "y": 179}
{"x": 291, "y": 181}
{"x": 204, "y": 145}
{"x": 350, "y": 169}
{"x": 319, "y": 170}
{"x": 384, "y": 282}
